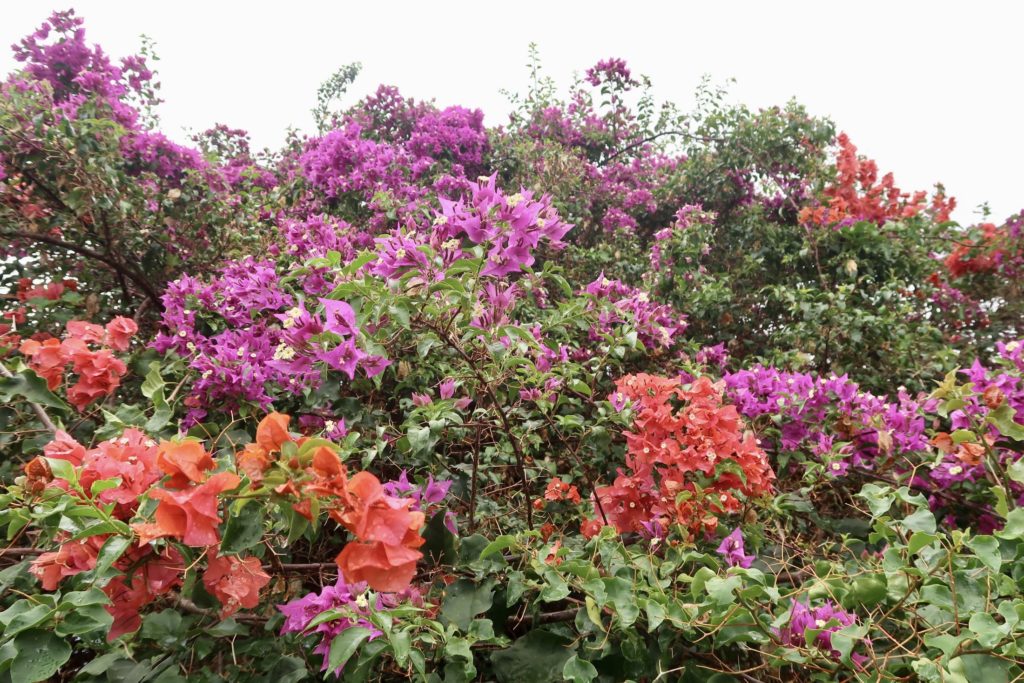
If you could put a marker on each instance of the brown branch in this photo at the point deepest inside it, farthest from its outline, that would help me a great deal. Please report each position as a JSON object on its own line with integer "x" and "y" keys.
{"x": 21, "y": 552}
{"x": 193, "y": 608}
{"x": 119, "y": 269}
{"x": 520, "y": 458}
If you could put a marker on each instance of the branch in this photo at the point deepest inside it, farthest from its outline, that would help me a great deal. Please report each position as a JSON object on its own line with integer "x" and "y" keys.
{"x": 119, "y": 269}
{"x": 520, "y": 458}
{"x": 644, "y": 141}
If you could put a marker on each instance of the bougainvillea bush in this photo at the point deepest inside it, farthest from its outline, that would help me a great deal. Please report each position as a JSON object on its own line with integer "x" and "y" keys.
{"x": 608, "y": 391}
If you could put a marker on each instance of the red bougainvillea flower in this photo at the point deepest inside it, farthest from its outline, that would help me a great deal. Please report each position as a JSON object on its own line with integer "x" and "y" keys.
{"x": 858, "y": 194}
{"x": 185, "y": 461}
{"x": 51, "y": 290}
{"x": 560, "y": 490}
{"x": 148, "y": 576}
{"x": 191, "y": 514}
{"x": 591, "y": 527}
{"x": 234, "y": 581}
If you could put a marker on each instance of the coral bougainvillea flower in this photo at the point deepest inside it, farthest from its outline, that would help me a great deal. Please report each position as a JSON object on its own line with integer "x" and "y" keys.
{"x": 73, "y": 557}
{"x": 190, "y": 514}
{"x": 272, "y": 432}
{"x": 119, "y": 333}
{"x": 185, "y": 461}
{"x": 234, "y": 581}
{"x": 685, "y": 464}
{"x": 47, "y": 358}
{"x": 64, "y": 447}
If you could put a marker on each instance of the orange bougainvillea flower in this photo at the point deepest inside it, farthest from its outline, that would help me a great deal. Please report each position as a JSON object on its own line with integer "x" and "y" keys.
{"x": 385, "y": 555}
{"x": 272, "y": 432}
{"x": 970, "y": 453}
{"x": 374, "y": 516}
{"x": 253, "y": 461}
{"x": 236, "y": 582}
{"x": 185, "y": 461}
{"x": 191, "y": 514}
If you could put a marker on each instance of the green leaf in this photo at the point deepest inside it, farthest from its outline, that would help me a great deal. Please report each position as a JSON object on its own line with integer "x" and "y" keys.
{"x": 622, "y": 595}
{"x": 1002, "y": 418}
{"x": 555, "y": 588}
{"x": 581, "y": 387}
{"x": 85, "y": 619}
{"x": 30, "y": 386}
{"x": 980, "y": 668}
{"x": 112, "y": 549}
{"x": 986, "y": 630}
{"x": 868, "y": 591}
{"x": 721, "y": 591}
{"x": 62, "y": 469}
{"x": 344, "y": 646}
{"x": 579, "y": 670}
{"x": 987, "y": 550}
{"x": 655, "y": 614}
{"x": 23, "y": 615}
{"x": 878, "y": 498}
{"x": 920, "y": 521}
{"x": 920, "y": 540}
{"x": 594, "y": 612}
{"x": 537, "y": 657}
{"x": 154, "y": 382}
{"x": 845, "y": 639}
{"x": 464, "y": 600}
{"x": 164, "y": 627}
{"x": 1014, "y": 527}
{"x": 420, "y": 440}
{"x": 498, "y": 545}
{"x": 40, "y": 655}
{"x": 243, "y": 529}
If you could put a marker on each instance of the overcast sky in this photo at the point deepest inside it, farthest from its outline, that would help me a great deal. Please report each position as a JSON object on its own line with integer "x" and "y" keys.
{"x": 931, "y": 90}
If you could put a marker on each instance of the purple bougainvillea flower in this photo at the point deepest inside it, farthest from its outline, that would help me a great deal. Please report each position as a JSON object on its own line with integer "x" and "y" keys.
{"x": 732, "y": 550}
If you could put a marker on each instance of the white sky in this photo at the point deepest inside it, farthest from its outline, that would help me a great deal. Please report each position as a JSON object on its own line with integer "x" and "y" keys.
{"x": 931, "y": 90}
